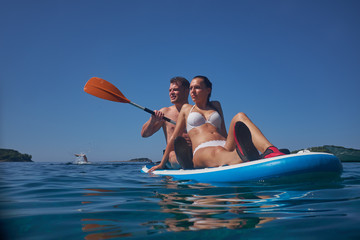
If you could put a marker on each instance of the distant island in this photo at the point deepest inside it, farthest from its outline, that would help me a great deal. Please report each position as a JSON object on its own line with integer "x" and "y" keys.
{"x": 147, "y": 160}
{"x": 140, "y": 160}
{"x": 344, "y": 154}
{"x": 10, "y": 155}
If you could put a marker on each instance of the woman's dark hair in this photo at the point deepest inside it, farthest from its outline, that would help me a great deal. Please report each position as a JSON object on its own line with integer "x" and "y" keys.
{"x": 207, "y": 84}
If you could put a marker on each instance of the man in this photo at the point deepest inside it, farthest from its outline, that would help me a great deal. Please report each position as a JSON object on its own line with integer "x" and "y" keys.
{"x": 178, "y": 93}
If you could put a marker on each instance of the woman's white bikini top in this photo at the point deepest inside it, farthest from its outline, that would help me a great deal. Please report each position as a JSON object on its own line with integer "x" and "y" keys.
{"x": 196, "y": 119}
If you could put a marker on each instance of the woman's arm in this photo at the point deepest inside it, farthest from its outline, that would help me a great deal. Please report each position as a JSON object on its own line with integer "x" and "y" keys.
{"x": 218, "y": 108}
{"x": 179, "y": 129}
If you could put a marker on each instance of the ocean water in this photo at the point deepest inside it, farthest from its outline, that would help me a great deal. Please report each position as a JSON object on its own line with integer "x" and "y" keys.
{"x": 117, "y": 201}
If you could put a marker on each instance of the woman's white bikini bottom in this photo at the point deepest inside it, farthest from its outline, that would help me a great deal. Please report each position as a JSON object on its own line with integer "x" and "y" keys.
{"x": 213, "y": 143}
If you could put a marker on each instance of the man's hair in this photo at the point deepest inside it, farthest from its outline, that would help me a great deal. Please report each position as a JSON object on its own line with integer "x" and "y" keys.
{"x": 181, "y": 81}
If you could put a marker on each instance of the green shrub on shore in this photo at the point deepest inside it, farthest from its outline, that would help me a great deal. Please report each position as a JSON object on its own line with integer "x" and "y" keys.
{"x": 10, "y": 155}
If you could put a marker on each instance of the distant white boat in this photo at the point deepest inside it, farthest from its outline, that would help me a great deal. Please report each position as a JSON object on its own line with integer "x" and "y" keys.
{"x": 81, "y": 159}
{"x": 81, "y": 162}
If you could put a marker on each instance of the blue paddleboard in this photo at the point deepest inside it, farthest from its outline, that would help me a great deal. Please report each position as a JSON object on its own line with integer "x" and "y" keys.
{"x": 281, "y": 166}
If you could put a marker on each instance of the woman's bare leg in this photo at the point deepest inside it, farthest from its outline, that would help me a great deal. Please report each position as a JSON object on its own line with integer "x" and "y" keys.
{"x": 215, "y": 157}
{"x": 227, "y": 155}
{"x": 260, "y": 141}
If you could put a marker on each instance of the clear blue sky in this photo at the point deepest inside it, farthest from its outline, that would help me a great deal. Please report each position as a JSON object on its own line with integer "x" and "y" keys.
{"x": 292, "y": 66}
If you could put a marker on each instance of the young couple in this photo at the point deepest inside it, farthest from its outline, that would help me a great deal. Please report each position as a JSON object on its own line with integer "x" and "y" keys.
{"x": 202, "y": 126}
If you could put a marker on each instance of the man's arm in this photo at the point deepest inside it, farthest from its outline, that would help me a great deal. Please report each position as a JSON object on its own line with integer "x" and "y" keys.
{"x": 153, "y": 124}
{"x": 179, "y": 129}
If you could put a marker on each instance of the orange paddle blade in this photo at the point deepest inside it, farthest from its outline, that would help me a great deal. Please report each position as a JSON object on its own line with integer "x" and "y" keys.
{"x": 103, "y": 89}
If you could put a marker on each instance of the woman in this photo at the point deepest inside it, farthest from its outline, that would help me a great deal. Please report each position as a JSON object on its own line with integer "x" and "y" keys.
{"x": 212, "y": 146}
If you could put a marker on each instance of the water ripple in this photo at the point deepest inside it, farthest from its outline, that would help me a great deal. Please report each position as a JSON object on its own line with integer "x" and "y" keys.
{"x": 105, "y": 201}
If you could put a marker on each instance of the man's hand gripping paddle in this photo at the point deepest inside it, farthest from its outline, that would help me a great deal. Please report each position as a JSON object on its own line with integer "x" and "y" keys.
{"x": 103, "y": 89}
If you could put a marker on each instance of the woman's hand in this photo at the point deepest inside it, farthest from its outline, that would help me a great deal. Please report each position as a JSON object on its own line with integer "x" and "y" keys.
{"x": 156, "y": 168}
{"x": 187, "y": 138}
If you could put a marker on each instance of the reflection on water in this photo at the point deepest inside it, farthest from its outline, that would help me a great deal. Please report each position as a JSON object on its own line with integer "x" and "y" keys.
{"x": 183, "y": 207}
{"x": 103, "y": 228}
{"x": 173, "y": 206}
{"x": 109, "y": 229}
{"x": 192, "y": 212}
{"x": 97, "y": 192}
{"x": 103, "y": 201}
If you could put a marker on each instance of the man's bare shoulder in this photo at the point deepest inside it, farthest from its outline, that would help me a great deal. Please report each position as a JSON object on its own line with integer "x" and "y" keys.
{"x": 166, "y": 109}
{"x": 186, "y": 107}
{"x": 169, "y": 111}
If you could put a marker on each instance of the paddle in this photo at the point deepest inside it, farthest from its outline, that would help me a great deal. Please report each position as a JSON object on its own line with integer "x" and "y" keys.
{"x": 103, "y": 89}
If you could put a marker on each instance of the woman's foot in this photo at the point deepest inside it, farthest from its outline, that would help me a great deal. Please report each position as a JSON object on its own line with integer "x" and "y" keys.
{"x": 243, "y": 143}
{"x": 271, "y": 152}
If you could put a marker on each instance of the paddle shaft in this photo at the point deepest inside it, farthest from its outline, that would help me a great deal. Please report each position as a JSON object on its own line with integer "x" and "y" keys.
{"x": 151, "y": 112}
